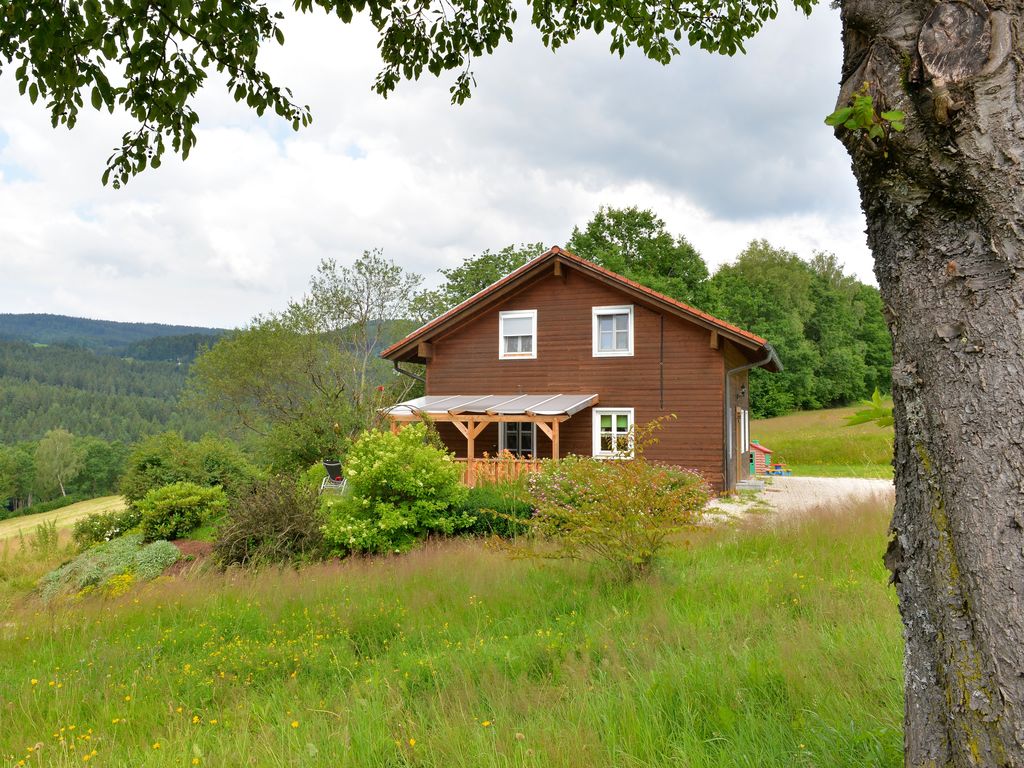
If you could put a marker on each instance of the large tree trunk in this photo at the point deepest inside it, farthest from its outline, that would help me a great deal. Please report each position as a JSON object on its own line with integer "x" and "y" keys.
{"x": 943, "y": 202}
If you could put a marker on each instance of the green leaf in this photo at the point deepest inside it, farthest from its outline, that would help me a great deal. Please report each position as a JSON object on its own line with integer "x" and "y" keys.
{"x": 840, "y": 116}
{"x": 97, "y": 98}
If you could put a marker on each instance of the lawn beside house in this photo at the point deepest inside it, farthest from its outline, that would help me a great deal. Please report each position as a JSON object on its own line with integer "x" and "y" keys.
{"x": 747, "y": 647}
{"x": 818, "y": 443}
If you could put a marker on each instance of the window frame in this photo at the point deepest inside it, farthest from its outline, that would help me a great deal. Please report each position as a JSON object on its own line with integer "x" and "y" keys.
{"x": 595, "y": 418}
{"x": 515, "y": 314}
{"x": 596, "y": 314}
{"x": 502, "y": 430}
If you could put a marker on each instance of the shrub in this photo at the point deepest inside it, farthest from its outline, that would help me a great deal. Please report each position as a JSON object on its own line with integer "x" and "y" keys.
{"x": 104, "y": 526}
{"x": 168, "y": 458}
{"x": 400, "y": 488}
{"x": 619, "y": 511}
{"x": 499, "y": 509}
{"x": 276, "y": 521}
{"x": 173, "y": 511}
{"x": 97, "y": 566}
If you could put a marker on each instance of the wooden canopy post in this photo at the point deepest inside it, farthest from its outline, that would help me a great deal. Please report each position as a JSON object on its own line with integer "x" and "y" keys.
{"x": 470, "y": 452}
{"x": 551, "y": 430}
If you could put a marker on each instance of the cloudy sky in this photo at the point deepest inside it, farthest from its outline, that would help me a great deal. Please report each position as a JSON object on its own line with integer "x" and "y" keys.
{"x": 725, "y": 150}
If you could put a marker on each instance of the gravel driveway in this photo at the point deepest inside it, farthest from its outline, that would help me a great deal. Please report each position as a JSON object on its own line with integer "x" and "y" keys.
{"x": 791, "y": 495}
{"x": 787, "y": 496}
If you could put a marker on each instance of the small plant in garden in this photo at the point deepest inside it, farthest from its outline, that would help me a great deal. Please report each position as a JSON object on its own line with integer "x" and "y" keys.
{"x": 499, "y": 509}
{"x": 175, "y": 510}
{"x": 401, "y": 488}
{"x": 619, "y": 511}
{"x": 45, "y": 539}
{"x": 104, "y": 526}
{"x": 109, "y": 563}
{"x": 276, "y": 521}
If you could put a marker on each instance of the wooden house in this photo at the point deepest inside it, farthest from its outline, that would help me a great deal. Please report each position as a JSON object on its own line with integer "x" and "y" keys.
{"x": 562, "y": 356}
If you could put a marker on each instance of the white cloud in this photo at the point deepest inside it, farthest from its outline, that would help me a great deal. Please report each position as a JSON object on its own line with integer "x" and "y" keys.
{"x": 725, "y": 150}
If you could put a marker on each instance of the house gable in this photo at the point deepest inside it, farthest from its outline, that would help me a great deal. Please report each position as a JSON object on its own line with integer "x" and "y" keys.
{"x": 559, "y": 263}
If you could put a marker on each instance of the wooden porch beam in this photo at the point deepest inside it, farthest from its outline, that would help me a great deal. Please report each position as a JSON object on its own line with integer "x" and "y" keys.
{"x": 463, "y": 427}
{"x": 543, "y": 427}
{"x": 554, "y": 440}
{"x": 483, "y": 418}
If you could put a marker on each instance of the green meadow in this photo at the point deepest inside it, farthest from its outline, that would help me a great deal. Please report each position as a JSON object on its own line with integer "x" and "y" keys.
{"x": 819, "y": 443}
{"x": 750, "y": 646}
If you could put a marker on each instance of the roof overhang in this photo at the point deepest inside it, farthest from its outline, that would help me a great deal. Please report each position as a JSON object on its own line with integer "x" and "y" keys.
{"x": 522, "y": 407}
{"x": 413, "y": 348}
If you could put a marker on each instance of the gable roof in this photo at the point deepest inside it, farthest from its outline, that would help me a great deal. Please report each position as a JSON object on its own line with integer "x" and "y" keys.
{"x": 406, "y": 349}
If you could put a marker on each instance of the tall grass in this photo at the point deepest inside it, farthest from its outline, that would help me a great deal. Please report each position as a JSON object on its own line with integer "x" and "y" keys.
{"x": 820, "y": 443}
{"x": 773, "y": 647}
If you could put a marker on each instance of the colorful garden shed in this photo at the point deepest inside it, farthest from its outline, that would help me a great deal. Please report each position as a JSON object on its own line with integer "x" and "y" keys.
{"x": 760, "y": 458}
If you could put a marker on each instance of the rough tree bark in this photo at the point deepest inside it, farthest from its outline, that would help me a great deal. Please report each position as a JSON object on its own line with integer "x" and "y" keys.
{"x": 943, "y": 202}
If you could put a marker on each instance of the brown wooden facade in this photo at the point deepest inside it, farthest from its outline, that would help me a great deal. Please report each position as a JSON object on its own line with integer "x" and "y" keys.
{"x": 678, "y": 365}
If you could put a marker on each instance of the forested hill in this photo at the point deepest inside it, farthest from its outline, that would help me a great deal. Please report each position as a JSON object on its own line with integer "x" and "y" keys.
{"x": 89, "y": 393}
{"x": 124, "y": 339}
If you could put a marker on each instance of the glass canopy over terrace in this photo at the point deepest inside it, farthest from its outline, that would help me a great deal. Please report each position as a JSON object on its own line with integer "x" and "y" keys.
{"x": 470, "y": 414}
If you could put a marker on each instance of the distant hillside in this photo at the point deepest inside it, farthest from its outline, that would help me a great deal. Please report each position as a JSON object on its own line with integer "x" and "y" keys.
{"x": 89, "y": 393}
{"x": 106, "y": 335}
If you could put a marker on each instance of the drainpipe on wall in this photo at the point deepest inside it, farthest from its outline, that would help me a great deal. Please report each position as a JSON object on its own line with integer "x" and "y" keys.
{"x": 730, "y": 411}
{"x": 410, "y": 374}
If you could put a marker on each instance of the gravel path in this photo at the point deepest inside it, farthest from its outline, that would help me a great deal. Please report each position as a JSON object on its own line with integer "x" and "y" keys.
{"x": 789, "y": 496}
{"x": 792, "y": 495}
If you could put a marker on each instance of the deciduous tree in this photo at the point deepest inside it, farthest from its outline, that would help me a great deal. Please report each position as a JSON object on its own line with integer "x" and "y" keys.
{"x": 636, "y": 243}
{"x": 58, "y": 460}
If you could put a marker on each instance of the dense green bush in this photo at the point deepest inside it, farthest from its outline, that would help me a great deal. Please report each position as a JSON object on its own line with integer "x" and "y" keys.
{"x": 276, "y": 521}
{"x": 400, "y": 489}
{"x": 174, "y": 511}
{"x": 168, "y": 458}
{"x": 97, "y": 566}
{"x": 104, "y": 526}
{"x": 620, "y": 511}
{"x": 499, "y": 510}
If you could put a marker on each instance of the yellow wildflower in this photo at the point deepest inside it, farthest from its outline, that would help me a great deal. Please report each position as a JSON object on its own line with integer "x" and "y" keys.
{"x": 412, "y": 742}
{"x": 156, "y": 745}
{"x": 295, "y": 723}
{"x": 486, "y": 723}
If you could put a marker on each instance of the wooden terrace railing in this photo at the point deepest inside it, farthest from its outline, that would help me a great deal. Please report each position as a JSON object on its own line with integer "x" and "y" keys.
{"x": 490, "y": 469}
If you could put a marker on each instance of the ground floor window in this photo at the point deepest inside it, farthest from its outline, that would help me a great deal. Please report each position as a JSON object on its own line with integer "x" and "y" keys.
{"x": 613, "y": 431}
{"x": 519, "y": 438}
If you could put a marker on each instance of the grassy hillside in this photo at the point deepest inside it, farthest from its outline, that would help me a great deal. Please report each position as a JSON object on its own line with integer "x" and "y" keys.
{"x": 104, "y": 335}
{"x": 63, "y": 517}
{"x": 820, "y": 443}
{"x": 749, "y": 648}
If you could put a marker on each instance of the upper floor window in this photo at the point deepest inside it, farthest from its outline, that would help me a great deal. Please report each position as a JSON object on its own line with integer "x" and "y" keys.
{"x": 613, "y": 331}
{"x": 517, "y": 334}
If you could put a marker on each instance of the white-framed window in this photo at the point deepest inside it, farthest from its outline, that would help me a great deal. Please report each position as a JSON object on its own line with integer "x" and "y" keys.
{"x": 613, "y": 431}
{"x": 613, "y": 331}
{"x": 517, "y": 334}
{"x": 518, "y": 438}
